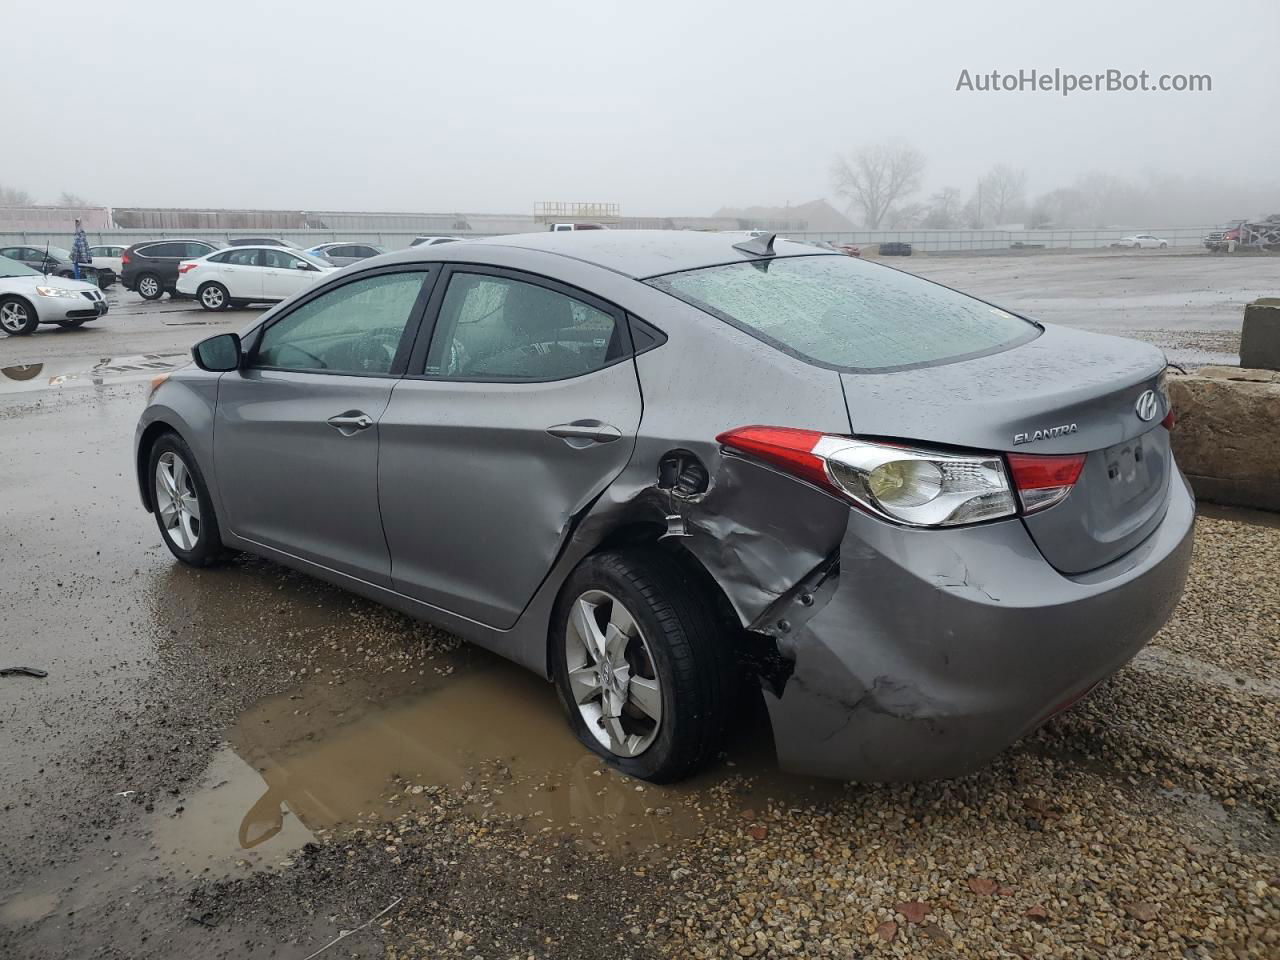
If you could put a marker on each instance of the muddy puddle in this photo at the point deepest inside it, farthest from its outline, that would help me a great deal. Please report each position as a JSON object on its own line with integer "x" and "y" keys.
{"x": 87, "y": 372}
{"x": 299, "y": 764}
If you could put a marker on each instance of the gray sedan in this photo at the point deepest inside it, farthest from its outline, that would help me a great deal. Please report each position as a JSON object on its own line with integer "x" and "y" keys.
{"x": 670, "y": 471}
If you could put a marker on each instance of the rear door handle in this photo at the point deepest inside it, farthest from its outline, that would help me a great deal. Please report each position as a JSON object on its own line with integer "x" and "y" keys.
{"x": 590, "y": 430}
{"x": 351, "y": 422}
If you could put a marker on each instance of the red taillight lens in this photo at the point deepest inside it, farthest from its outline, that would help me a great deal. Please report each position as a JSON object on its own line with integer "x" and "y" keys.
{"x": 124, "y": 258}
{"x": 1170, "y": 419}
{"x": 785, "y": 447}
{"x": 185, "y": 267}
{"x": 905, "y": 484}
{"x": 1043, "y": 481}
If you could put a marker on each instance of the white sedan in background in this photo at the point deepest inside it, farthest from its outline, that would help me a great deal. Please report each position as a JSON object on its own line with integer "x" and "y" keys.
{"x": 1141, "y": 241}
{"x": 240, "y": 275}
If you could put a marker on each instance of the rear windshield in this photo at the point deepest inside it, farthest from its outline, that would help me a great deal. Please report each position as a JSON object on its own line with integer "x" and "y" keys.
{"x": 840, "y": 312}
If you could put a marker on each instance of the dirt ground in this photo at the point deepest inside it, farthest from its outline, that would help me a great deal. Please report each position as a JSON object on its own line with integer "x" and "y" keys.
{"x": 245, "y": 762}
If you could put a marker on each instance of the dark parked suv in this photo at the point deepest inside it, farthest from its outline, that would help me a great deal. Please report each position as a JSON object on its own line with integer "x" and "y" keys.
{"x": 151, "y": 268}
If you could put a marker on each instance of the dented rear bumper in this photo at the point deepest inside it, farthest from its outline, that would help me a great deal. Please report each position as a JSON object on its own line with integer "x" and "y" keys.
{"x": 926, "y": 652}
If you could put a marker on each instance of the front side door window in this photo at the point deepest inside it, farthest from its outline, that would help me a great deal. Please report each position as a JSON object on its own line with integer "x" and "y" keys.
{"x": 357, "y": 327}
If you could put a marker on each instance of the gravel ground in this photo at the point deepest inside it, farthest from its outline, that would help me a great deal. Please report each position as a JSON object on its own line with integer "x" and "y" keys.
{"x": 1141, "y": 823}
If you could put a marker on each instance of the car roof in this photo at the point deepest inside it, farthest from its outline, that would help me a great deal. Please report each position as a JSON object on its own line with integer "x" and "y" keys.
{"x": 263, "y": 246}
{"x": 633, "y": 253}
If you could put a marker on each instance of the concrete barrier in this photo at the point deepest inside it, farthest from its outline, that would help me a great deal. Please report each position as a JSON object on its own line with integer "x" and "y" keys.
{"x": 1260, "y": 335}
{"x": 1227, "y": 439}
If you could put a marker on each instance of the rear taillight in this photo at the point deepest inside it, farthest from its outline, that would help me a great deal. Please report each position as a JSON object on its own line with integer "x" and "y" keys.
{"x": 1042, "y": 481}
{"x": 185, "y": 267}
{"x": 124, "y": 258}
{"x": 908, "y": 485}
{"x": 1170, "y": 419}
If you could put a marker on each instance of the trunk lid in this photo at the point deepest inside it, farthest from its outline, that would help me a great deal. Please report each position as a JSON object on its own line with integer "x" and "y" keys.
{"x": 1067, "y": 391}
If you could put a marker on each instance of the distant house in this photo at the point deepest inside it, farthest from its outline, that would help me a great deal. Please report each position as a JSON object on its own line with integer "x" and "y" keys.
{"x": 815, "y": 216}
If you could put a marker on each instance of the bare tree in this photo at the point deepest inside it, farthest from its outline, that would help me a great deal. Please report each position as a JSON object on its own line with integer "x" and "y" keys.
{"x": 877, "y": 178}
{"x": 1002, "y": 193}
{"x": 944, "y": 210}
{"x": 12, "y": 197}
{"x": 73, "y": 200}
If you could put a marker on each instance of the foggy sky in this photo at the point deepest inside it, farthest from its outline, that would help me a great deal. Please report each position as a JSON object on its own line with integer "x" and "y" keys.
{"x": 664, "y": 107}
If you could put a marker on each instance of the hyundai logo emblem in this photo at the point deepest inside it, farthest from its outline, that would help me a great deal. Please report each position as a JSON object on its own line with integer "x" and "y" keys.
{"x": 1148, "y": 405}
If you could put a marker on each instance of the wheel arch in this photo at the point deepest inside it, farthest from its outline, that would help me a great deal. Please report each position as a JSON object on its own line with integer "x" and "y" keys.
{"x": 649, "y": 533}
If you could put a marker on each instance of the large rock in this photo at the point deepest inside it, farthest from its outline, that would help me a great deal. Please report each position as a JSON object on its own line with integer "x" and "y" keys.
{"x": 1260, "y": 335}
{"x": 1227, "y": 439}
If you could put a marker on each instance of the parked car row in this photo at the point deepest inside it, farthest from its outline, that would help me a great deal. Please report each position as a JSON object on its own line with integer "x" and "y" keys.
{"x": 50, "y": 261}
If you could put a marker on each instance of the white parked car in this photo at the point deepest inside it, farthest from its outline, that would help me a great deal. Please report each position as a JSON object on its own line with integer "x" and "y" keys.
{"x": 1141, "y": 241}
{"x": 107, "y": 257}
{"x": 241, "y": 275}
{"x": 28, "y": 298}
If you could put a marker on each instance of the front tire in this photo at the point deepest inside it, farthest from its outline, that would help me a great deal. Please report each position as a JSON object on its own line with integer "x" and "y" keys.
{"x": 641, "y": 665}
{"x": 181, "y": 502}
{"x": 17, "y": 317}
{"x": 213, "y": 296}
{"x": 149, "y": 287}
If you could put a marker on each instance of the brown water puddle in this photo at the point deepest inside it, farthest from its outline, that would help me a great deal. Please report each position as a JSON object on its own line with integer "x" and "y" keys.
{"x": 299, "y": 764}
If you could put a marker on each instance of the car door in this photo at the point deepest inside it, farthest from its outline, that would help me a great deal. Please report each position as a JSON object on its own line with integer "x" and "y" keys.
{"x": 240, "y": 270}
{"x": 284, "y": 274}
{"x": 296, "y": 432}
{"x": 520, "y": 412}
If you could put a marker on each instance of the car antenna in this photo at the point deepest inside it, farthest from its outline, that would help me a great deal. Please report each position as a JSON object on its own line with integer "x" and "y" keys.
{"x": 760, "y": 246}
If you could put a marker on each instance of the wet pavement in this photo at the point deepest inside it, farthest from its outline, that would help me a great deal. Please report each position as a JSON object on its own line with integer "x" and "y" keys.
{"x": 185, "y": 779}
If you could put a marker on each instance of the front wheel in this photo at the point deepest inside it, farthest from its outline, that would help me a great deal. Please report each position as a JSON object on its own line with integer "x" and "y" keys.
{"x": 640, "y": 663}
{"x": 1163, "y": 245}
{"x": 17, "y": 318}
{"x": 213, "y": 296}
{"x": 149, "y": 287}
{"x": 182, "y": 505}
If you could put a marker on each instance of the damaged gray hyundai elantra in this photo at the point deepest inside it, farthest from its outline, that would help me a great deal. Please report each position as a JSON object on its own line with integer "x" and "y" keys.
{"x": 648, "y": 464}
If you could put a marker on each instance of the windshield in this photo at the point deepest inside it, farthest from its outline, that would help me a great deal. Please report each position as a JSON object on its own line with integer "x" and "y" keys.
{"x": 57, "y": 253}
{"x": 12, "y": 268}
{"x": 841, "y": 312}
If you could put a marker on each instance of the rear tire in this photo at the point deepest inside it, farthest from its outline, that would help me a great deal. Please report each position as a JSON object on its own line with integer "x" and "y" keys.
{"x": 17, "y": 317}
{"x": 149, "y": 287}
{"x": 676, "y": 643}
{"x": 181, "y": 503}
{"x": 213, "y": 296}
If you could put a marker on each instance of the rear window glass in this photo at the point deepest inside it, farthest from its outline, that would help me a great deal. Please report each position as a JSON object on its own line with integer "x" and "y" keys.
{"x": 839, "y": 312}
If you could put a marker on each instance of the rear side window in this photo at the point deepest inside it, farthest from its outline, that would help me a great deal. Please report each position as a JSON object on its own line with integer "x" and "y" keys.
{"x": 839, "y": 312}
{"x": 237, "y": 258}
{"x": 164, "y": 250}
{"x": 495, "y": 328}
{"x": 354, "y": 328}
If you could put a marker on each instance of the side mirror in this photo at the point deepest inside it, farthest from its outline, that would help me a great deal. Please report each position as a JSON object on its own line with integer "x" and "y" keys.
{"x": 218, "y": 354}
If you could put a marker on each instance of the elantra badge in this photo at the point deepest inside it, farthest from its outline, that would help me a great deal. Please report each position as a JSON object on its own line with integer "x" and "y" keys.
{"x": 1148, "y": 405}
{"x": 1045, "y": 433}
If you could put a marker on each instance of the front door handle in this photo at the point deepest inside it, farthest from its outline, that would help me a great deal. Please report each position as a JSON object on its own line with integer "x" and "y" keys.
{"x": 590, "y": 430}
{"x": 351, "y": 422}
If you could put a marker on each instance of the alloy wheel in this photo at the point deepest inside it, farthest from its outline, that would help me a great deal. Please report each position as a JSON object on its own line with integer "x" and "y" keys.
{"x": 612, "y": 675}
{"x": 176, "y": 501}
{"x": 149, "y": 287}
{"x": 211, "y": 297}
{"x": 13, "y": 317}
